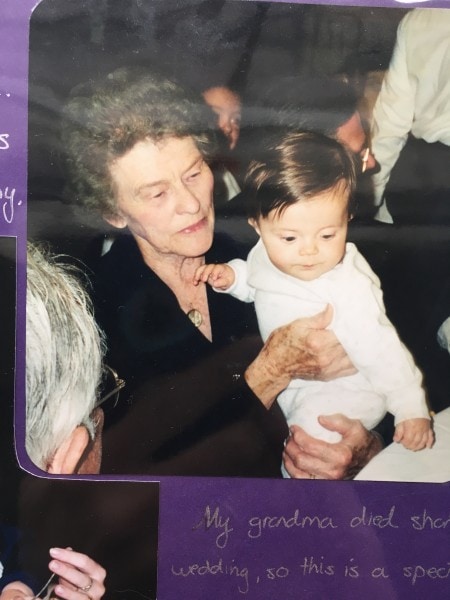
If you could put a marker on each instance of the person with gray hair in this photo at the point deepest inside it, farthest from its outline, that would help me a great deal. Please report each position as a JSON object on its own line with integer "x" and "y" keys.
{"x": 64, "y": 350}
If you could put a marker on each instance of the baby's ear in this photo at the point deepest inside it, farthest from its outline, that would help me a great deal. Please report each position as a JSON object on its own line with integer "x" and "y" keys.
{"x": 254, "y": 223}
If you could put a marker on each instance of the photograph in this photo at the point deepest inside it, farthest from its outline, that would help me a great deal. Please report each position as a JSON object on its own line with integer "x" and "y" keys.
{"x": 166, "y": 140}
{"x": 225, "y": 332}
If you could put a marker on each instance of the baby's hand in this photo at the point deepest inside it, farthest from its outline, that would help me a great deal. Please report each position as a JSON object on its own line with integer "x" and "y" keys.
{"x": 218, "y": 276}
{"x": 414, "y": 434}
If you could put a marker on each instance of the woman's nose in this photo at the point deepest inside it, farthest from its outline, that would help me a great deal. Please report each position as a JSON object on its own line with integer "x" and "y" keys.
{"x": 187, "y": 202}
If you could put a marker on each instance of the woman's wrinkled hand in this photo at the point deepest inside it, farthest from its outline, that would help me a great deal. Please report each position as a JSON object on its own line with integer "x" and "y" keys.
{"x": 305, "y": 457}
{"x": 302, "y": 349}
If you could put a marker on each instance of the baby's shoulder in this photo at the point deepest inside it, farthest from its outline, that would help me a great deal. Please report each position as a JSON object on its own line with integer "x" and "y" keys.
{"x": 357, "y": 269}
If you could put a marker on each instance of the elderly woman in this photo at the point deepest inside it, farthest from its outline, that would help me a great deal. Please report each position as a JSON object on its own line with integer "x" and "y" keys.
{"x": 63, "y": 431}
{"x": 201, "y": 390}
{"x": 64, "y": 353}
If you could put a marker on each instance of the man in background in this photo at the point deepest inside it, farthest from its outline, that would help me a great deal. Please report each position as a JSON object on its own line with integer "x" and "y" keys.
{"x": 411, "y": 123}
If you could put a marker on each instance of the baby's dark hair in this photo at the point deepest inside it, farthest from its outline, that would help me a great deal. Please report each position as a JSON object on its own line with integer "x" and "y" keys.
{"x": 297, "y": 166}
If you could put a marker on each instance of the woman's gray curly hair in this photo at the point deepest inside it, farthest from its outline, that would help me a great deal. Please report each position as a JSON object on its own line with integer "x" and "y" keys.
{"x": 64, "y": 352}
{"x": 103, "y": 121}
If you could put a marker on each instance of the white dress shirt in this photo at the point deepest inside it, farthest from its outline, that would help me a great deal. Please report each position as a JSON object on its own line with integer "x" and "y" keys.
{"x": 415, "y": 94}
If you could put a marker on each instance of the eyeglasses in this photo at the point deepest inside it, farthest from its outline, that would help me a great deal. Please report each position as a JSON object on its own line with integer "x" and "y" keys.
{"x": 46, "y": 588}
{"x": 112, "y": 384}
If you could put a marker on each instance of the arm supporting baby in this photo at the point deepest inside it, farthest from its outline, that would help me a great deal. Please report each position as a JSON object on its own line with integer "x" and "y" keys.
{"x": 305, "y": 349}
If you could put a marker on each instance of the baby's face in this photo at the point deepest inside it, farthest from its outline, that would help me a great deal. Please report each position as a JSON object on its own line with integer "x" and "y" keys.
{"x": 308, "y": 238}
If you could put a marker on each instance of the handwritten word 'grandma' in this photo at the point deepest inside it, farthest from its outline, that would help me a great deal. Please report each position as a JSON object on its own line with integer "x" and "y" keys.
{"x": 259, "y": 524}
{"x": 8, "y": 202}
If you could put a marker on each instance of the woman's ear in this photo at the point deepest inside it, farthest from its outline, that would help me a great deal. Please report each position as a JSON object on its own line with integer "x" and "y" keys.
{"x": 254, "y": 223}
{"x": 91, "y": 459}
{"x": 116, "y": 221}
{"x": 67, "y": 456}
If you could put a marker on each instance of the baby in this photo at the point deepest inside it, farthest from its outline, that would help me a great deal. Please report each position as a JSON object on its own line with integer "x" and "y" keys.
{"x": 300, "y": 203}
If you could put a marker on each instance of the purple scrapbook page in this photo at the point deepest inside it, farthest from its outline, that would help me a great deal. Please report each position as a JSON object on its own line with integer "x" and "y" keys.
{"x": 168, "y": 519}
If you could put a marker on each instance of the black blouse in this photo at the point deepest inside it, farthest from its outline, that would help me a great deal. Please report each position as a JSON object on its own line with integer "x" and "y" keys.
{"x": 186, "y": 409}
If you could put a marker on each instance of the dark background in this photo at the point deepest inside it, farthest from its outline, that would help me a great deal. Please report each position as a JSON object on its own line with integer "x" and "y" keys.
{"x": 8, "y": 471}
{"x": 200, "y": 43}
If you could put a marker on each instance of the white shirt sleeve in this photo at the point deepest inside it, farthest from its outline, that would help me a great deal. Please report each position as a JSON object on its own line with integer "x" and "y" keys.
{"x": 393, "y": 113}
{"x": 240, "y": 288}
{"x": 374, "y": 347}
{"x": 415, "y": 94}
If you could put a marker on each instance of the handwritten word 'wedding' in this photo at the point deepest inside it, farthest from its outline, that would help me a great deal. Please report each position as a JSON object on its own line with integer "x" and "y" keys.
{"x": 8, "y": 203}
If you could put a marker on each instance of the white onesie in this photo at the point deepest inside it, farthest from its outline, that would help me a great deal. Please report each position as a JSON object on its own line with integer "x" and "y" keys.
{"x": 387, "y": 378}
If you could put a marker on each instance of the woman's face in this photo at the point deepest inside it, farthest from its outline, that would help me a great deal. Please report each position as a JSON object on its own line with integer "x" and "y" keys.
{"x": 164, "y": 195}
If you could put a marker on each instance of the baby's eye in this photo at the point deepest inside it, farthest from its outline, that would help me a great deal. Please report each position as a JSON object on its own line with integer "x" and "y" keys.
{"x": 328, "y": 236}
{"x": 288, "y": 238}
